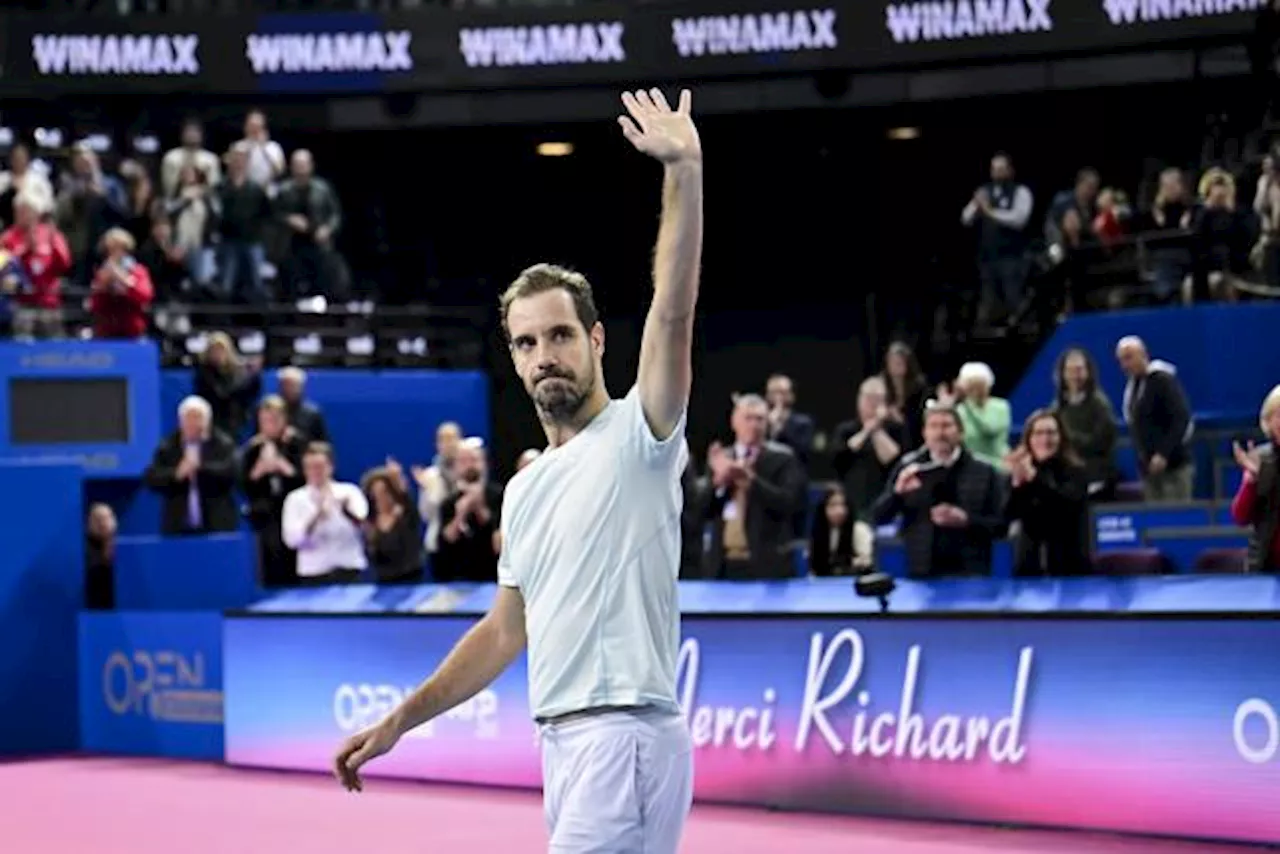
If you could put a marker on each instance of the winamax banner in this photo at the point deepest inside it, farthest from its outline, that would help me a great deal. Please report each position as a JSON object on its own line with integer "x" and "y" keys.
{"x": 604, "y": 44}
{"x": 1165, "y": 726}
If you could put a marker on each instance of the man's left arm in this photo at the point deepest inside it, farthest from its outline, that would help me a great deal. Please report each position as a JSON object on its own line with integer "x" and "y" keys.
{"x": 666, "y": 359}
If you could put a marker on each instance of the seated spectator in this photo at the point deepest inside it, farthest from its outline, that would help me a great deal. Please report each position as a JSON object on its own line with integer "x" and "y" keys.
{"x": 1160, "y": 422}
{"x": 270, "y": 469}
{"x": 100, "y": 559}
{"x": 831, "y": 548}
{"x": 790, "y": 428}
{"x": 194, "y": 469}
{"x": 866, "y": 449}
{"x": 1224, "y": 235}
{"x": 1088, "y": 419}
{"x": 229, "y": 383}
{"x": 304, "y": 416}
{"x": 1049, "y": 501}
{"x": 986, "y": 418}
{"x": 469, "y": 534}
{"x": 951, "y": 503}
{"x": 309, "y": 210}
{"x": 393, "y": 541}
{"x": 1111, "y": 222}
{"x": 906, "y": 389}
{"x": 121, "y": 291}
{"x": 435, "y": 482}
{"x": 1257, "y": 502}
{"x": 190, "y": 155}
{"x": 751, "y": 495}
{"x": 1082, "y": 199}
{"x": 1171, "y": 211}
{"x": 322, "y": 522}
{"x": 244, "y": 214}
{"x": 23, "y": 178}
{"x": 45, "y": 259}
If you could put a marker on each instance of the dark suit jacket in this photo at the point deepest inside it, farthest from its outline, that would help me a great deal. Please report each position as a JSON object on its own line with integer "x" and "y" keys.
{"x": 797, "y": 434}
{"x": 216, "y": 480}
{"x": 308, "y": 420}
{"x": 979, "y": 492}
{"x": 777, "y": 495}
{"x": 1159, "y": 419}
{"x": 265, "y": 496}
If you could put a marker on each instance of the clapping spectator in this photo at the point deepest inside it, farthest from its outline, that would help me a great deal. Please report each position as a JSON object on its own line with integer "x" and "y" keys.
{"x": 1081, "y": 198}
{"x": 1111, "y": 221}
{"x": 194, "y": 469}
{"x": 265, "y": 156}
{"x": 45, "y": 258}
{"x": 392, "y": 539}
{"x": 1048, "y": 500}
{"x": 1160, "y": 423}
{"x": 831, "y": 546}
{"x": 786, "y": 425}
{"x": 244, "y": 212}
{"x": 986, "y": 419}
{"x": 1087, "y": 418}
{"x": 1172, "y": 210}
{"x": 999, "y": 211}
{"x": 1257, "y": 501}
{"x": 304, "y": 416}
{"x": 166, "y": 261}
{"x": 309, "y": 210}
{"x": 1224, "y": 236}
{"x": 21, "y": 178}
{"x": 89, "y": 204}
{"x": 1065, "y": 288}
{"x": 191, "y": 154}
{"x": 191, "y": 212}
{"x": 270, "y": 469}
{"x": 469, "y": 534}
{"x": 323, "y": 520}
{"x": 866, "y": 449}
{"x": 142, "y": 208}
{"x": 230, "y": 384}
{"x": 121, "y": 290}
{"x": 906, "y": 389}
{"x": 435, "y": 482}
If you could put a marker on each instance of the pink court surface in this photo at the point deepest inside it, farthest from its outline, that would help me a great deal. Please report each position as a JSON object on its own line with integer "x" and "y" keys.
{"x": 107, "y": 806}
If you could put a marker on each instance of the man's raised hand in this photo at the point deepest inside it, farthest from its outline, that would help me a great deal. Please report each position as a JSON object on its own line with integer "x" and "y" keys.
{"x": 657, "y": 130}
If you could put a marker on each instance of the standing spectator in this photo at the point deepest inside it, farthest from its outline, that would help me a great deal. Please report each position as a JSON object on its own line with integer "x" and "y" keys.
{"x": 1087, "y": 418}
{"x": 392, "y": 540}
{"x": 999, "y": 211}
{"x": 191, "y": 154}
{"x": 322, "y": 522}
{"x": 791, "y": 428}
{"x": 866, "y": 449}
{"x": 167, "y": 262}
{"x": 89, "y": 204}
{"x": 1065, "y": 287}
{"x": 121, "y": 291}
{"x": 951, "y": 503}
{"x": 309, "y": 210}
{"x": 986, "y": 419}
{"x": 1049, "y": 500}
{"x": 435, "y": 482}
{"x": 469, "y": 521}
{"x": 244, "y": 211}
{"x": 194, "y": 469}
{"x": 1082, "y": 198}
{"x": 45, "y": 258}
{"x": 1171, "y": 211}
{"x": 1224, "y": 236}
{"x": 270, "y": 469}
{"x": 906, "y": 389}
{"x": 304, "y": 415}
{"x": 831, "y": 547}
{"x": 191, "y": 212}
{"x": 1266, "y": 204}
{"x": 21, "y": 178}
{"x": 229, "y": 383}
{"x": 752, "y": 494}
{"x": 1257, "y": 502}
{"x": 142, "y": 207}
{"x": 100, "y": 559}
{"x": 265, "y": 156}
{"x": 1160, "y": 422}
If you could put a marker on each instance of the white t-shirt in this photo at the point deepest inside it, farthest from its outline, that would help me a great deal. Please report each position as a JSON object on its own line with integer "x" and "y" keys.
{"x": 591, "y": 537}
{"x": 334, "y": 543}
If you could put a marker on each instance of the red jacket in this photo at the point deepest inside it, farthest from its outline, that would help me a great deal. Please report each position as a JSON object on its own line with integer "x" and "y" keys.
{"x": 1242, "y": 511}
{"x": 121, "y": 314}
{"x": 47, "y": 259}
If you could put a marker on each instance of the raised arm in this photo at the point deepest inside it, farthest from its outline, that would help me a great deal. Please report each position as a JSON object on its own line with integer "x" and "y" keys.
{"x": 666, "y": 369}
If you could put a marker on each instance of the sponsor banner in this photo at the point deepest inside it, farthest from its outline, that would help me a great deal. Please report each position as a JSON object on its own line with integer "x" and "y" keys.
{"x": 431, "y": 49}
{"x": 151, "y": 684}
{"x": 1165, "y": 726}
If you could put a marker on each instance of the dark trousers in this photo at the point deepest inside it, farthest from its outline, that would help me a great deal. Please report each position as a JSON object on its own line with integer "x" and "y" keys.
{"x": 333, "y": 576}
{"x": 277, "y": 563}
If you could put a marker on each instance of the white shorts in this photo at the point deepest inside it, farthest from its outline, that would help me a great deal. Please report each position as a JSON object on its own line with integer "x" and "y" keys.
{"x": 617, "y": 783}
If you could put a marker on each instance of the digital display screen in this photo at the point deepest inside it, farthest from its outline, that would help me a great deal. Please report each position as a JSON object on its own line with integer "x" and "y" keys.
{"x": 68, "y": 411}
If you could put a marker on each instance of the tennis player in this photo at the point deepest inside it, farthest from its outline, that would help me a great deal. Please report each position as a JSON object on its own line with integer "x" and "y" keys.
{"x": 591, "y": 541}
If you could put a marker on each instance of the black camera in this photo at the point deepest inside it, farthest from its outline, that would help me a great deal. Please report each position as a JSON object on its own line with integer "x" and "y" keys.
{"x": 875, "y": 585}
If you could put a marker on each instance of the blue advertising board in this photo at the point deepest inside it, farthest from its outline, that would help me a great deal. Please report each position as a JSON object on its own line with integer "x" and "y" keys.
{"x": 151, "y": 684}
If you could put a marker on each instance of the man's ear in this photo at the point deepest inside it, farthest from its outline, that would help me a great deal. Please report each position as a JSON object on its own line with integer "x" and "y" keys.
{"x": 597, "y": 337}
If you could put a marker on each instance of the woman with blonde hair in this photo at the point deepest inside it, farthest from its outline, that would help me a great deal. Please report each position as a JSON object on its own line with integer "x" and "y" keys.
{"x": 121, "y": 292}
{"x": 230, "y": 384}
{"x": 1257, "y": 502}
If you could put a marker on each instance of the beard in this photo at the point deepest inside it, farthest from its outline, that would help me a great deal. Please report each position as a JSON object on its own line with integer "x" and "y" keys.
{"x": 560, "y": 396}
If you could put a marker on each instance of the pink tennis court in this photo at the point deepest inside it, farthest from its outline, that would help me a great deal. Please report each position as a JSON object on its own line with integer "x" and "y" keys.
{"x": 159, "y": 807}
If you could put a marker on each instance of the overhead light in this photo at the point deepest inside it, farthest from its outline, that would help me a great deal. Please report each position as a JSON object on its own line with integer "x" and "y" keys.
{"x": 904, "y": 133}
{"x": 555, "y": 149}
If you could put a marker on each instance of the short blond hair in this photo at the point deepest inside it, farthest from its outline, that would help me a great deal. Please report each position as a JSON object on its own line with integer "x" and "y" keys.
{"x": 1270, "y": 404}
{"x": 120, "y": 236}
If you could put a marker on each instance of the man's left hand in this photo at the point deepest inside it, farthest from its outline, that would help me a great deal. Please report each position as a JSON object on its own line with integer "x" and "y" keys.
{"x": 948, "y": 516}
{"x": 657, "y": 130}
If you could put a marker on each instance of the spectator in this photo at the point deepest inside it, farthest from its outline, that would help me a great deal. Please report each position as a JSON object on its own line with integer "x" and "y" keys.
{"x": 191, "y": 154}
{"x": 831, "y": 549}
{"x": 753, "y": 492}
{"x": 89, "y": 204}
{"x": 1266, "y": 204}
{"x": 1049, "y": 501}
{"x": 435, "y": 482}
{"x": 270, "y": 469}
{"x": 45, "y": 259}
{"x": 194, "y": 470}
{"x": 1065, "y": 288}
{"x": 790, "y": 428}
{"x": 304, "y": 416}
{"x": 999, "y": 211}
{"x": 22, "y": 179}
{"x": 1224, "y": 236}
{"x": 191, "y": 212}
{"x": 527, "y": 457}
{"x": 166, "y": 260}
{"x": 121, "y": 291}
{"x": 906, "y": 389}
{"x": 309, "y": 209}
{"x": 229, "y": 383}
{"x": 392, "y": 539}
{"x": 986, "y": 419}
{"x": 1160, "y": 422}
{"x": 1082, "y": 198}
{"x": 141, "y": 206}
{"x": 100, "y": 559}
{"x": 265, "y": 156}
{"x": 1087, "y": 418}
{"x": 322, "y": 522}
{"x": 1172, "y": 210}
{"x": 1257, "y": 501}
{"x": 469, "y": 521}
{"x": 244, "y": 212}
{"x": 866, "y": 449}
{"x": 951, "y": 503}
{"x": 1111, "y": 221}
